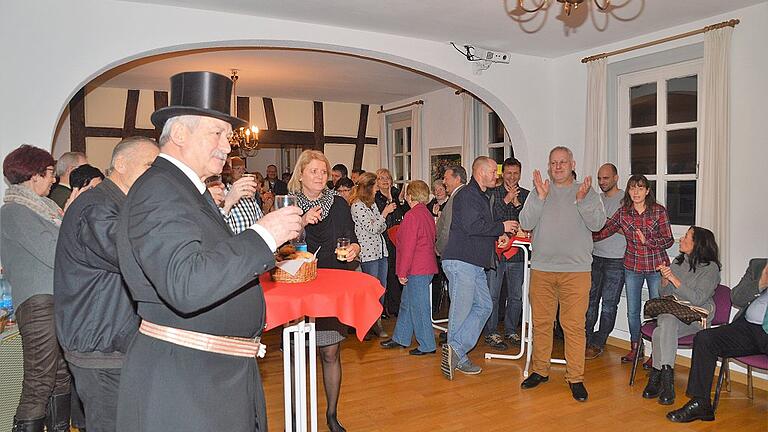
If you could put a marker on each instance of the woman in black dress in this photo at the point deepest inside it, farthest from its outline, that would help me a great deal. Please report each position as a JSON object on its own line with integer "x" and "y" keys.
{"x": 386, "y": 193}
{"x": 327, "y": 218}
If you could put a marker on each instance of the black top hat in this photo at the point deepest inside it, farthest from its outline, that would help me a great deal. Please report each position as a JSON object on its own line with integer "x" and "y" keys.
{"x": 205, "y": 94}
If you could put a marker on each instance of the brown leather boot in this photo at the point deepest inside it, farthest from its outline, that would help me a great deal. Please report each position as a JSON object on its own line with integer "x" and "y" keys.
{"x": 630, "y": 356}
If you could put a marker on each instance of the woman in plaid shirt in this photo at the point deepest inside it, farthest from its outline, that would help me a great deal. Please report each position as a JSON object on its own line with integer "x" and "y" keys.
{"x": 645, "y": 224}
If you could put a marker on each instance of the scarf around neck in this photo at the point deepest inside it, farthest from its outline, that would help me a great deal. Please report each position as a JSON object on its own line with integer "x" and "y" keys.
{"x": 42, "y": 206}
{"x": 325, "y": 201}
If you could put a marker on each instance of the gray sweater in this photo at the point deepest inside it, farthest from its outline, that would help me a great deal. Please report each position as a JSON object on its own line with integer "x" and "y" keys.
{"x": 697, "y": 287}
{"x": 28, "y": 252}
{"x": 562, "y": 228}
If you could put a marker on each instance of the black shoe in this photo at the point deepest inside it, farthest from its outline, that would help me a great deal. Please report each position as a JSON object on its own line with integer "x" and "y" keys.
{"x": 333, "y": 424}
{"x": 533, "y": 380}
{"x": 651, "y": 390}
{"x": 389, "y": 344}
{"x": 36, "y": 425}
{"x": 58, "y": 417}
{"x": 418, "y": 352}
{"x": 694, "y": 409}
{"x": 667, "y": 392}
{"x": 578, "y": 391}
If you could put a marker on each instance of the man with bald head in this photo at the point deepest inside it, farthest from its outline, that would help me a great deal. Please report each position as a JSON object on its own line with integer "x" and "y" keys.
{"x": 469, "y": 252}
{"x": 562, "y": 215}
{"x": 607, "y": 268}
{"x": 95, "y": 316}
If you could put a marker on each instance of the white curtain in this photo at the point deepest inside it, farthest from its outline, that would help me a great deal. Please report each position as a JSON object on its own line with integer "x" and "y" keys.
{"x": 596, "y": 131}
{"x": 468, "y": 141}
{"x": 714, "y": 139}
{"x": 417, "y": 147}
{"x": 382, "y": 141}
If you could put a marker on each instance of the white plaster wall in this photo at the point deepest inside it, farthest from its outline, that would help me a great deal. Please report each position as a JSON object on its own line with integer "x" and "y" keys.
{"x": 81, "y": 39}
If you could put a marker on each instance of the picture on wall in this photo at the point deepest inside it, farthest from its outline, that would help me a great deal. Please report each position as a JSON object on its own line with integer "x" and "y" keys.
{"x": 442, "y": 158}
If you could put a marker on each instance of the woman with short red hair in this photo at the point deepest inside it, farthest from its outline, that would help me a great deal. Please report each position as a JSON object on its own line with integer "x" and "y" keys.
{"x": 29, "y": 226}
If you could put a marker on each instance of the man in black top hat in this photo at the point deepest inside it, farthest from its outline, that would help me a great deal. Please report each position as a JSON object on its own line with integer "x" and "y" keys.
{"x": 192, "y": 367}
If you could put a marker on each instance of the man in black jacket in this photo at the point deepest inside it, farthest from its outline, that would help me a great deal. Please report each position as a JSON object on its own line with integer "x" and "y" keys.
{"x": 95, "y": 316}
{"x": 746, "y": 335}
{"x": 470, "y": 250}
{"x": 277, "y": 186}
{"x": 192, "y": 366}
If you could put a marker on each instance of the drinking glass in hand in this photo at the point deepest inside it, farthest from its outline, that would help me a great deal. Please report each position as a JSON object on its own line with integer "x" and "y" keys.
{"x": 284, "y": 201}
{"x": 341, "y": 248}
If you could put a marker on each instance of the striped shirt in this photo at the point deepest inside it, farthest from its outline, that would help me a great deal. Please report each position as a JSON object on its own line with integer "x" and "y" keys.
{"x": 243, "y": 214}
{"x": 654, "y": 224}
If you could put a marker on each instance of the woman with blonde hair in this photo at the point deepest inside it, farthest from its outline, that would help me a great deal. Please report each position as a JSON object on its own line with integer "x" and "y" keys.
{"x": 326, "y": 218}
{"x": 370, "y": 225}
{"x": 415, "y": 266}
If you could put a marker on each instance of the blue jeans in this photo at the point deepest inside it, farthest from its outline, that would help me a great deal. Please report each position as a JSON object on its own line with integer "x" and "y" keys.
{"x": 513, "y": 272}
{"x": 470, "y": 305}
{"x": 607, "y": 283}
{"x": 634, "y": 281}
{"x": 414, "y": 317}
{"x": 378, "y": 269}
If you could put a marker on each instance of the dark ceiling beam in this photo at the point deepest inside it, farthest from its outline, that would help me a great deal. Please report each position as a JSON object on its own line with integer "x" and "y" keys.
{"x": 269, "y": 113}
{"x": 319, "y": 127}
{"x": 77, "y": 131}
{"x": 362, "y": 126}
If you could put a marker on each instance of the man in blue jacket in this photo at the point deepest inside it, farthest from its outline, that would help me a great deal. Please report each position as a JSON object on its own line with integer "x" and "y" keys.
{"x": 470, "y": 250}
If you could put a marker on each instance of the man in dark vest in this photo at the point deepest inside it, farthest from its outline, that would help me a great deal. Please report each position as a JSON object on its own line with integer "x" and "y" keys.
{"x": 192, "y": 366}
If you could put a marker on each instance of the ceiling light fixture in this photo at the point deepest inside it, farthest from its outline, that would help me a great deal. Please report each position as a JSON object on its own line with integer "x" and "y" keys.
{"x": 568, "y": 5}
{"x": 246, "y": 139}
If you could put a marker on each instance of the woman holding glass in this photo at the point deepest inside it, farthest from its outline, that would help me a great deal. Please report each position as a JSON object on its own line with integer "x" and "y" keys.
{"x": 329, "y": 228}
{"x": 387, "y": 194}
{"x": 645, "y": 225}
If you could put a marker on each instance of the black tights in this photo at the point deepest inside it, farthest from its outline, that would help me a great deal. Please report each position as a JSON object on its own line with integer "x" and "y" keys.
{"x": 330, "y": 356}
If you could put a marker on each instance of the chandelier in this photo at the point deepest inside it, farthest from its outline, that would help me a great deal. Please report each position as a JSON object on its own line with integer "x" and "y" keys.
{"x": 568, "y": 5}
{"x": 246, "y": 139}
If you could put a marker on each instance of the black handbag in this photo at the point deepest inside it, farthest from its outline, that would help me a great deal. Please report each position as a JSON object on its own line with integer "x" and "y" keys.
{"x": 680, "y": 309}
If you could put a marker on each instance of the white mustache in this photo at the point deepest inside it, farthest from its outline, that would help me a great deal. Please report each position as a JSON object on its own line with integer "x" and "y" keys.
{"x": 218, "y": 154}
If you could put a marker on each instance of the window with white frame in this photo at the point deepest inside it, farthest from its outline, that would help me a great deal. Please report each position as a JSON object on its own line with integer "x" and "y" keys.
{"x": 400, "y": 137}
{"x": 658, "y": 135}
{"x": 499, "y": 144}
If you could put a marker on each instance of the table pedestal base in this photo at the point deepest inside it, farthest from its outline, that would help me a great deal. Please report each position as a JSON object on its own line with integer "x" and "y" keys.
{"x": 299, "y": 341}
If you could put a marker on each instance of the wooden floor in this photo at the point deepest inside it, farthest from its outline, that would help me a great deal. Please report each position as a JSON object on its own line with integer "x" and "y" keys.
{"x": 389, "y": 390}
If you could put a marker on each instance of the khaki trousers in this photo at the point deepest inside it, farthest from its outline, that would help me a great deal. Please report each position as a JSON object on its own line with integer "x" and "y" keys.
{"x": 571, "y": 291}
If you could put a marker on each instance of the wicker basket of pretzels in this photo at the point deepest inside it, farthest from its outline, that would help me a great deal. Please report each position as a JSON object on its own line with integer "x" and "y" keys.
{"x": 307, "y": 271}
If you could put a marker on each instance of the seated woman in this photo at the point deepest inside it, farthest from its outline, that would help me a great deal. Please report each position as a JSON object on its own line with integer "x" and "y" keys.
{"x": 692, "y": 277}
{"x": 415, "y": 266}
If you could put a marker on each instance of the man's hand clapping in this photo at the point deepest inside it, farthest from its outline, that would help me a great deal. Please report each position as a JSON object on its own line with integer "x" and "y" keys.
{"x": 584, "y": 188}
{"x": 542, "y": 186}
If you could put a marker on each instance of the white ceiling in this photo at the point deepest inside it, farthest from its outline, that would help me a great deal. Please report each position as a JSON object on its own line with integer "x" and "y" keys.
{"x": 486, "y": 23}
{"x": 291, "y": 74}
{"x": 494, "y": 24}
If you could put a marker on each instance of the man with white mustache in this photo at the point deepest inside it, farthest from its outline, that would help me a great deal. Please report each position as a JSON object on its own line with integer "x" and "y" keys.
{"x": 192, "y": 367}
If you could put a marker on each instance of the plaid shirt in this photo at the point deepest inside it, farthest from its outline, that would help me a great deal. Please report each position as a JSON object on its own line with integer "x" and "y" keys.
{"x": 243, "y": 214}
{"x": 654, "y": 224}
{"x": 504, "y": 212}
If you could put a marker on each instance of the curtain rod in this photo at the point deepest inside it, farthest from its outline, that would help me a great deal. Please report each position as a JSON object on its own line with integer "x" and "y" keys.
{"x": 729, "y": 23}
{"x": 418, "y": 102}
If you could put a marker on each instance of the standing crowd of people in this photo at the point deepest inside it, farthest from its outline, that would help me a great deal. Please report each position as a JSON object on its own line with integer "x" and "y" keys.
{"x": 140, "y": 286}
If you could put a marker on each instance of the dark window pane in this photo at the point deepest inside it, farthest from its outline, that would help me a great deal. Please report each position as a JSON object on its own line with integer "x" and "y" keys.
{"x": 681, "y": 99}
{"x": 681, "y": 202}
{"x": 495, "y": 128}
{"x": 408, "y": 139}
{"x": 642, "y": 153}
{"x": 398, "y": 140}
{"x": 653, "y": 187}
{"x": 681, "y": 151}
{"x": 398, "y": 168}
{"x": 642, "y": 101}
{"x": 407, "y": 172}
{"x": 497, "y": 154}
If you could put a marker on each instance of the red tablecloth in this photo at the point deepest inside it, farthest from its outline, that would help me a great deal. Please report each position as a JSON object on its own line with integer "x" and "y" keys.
{"x": 350, "y": 296}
